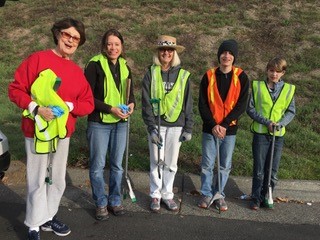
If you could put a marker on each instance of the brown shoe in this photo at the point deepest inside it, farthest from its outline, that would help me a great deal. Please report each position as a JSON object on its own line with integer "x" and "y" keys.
{"x": 102, "y": 213}
{"x": 117, "y": 210}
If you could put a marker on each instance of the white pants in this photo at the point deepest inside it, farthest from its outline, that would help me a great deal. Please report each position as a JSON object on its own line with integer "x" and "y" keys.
{"x": 169, "y": 153}
{"x": 43, "y": 200}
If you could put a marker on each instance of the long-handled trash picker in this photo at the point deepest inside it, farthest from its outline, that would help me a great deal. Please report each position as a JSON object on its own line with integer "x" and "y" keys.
{"x": 48, "y": 178}
{"x": 126, "y": 176}
{"x": 218, "y": 194}
{"x": 160, "y": 162}
{"x": 269, "y": 198}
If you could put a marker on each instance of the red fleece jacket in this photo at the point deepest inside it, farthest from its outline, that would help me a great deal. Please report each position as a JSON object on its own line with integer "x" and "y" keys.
{"x": 74, "y": 87}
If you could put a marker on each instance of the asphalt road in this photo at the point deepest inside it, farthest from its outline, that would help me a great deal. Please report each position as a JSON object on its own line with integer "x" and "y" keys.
{"x": 297, "y": 217}
{"x": 153, "y": 226}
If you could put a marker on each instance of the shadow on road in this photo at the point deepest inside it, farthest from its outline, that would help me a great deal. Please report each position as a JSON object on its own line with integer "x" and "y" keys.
{"x": 13, "y": 211}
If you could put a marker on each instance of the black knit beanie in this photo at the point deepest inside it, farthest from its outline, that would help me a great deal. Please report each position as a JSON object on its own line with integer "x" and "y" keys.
{"x": 230, "y": 45}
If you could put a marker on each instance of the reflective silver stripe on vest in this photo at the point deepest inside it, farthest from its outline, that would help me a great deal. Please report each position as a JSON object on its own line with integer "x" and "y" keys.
{"x": 178, "y": 98}
{"x": 260, "y": 104}
{"x": 154, "y": 82}
{"x": 41, "y": 127}
{"x": 288, "y": 96}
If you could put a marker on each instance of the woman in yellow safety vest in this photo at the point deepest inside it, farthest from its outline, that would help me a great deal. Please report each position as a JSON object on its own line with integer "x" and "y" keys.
{"x": 271, "y": 105}
{"x": 168, "y": 115}
{"x": 110, "y": 79}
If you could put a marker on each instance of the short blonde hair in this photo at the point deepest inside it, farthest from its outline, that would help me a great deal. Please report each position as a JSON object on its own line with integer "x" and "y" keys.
{"x": 175, "y": 60}
{"x": 277, "y": 63}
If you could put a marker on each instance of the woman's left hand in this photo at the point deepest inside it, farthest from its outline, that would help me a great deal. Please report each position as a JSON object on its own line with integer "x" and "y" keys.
{"x": 131, "y": 108}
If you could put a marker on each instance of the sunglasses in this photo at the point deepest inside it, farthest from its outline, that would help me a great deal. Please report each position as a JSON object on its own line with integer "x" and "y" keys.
{"x": 66, "y": 35}
{"x": 169, "y": 50}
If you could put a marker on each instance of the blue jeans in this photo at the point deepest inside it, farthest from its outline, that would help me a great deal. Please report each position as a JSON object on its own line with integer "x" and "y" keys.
{"x": 261, "y": 149}
{"x": 209, "y": 153}
{"x": 103, "y": 139}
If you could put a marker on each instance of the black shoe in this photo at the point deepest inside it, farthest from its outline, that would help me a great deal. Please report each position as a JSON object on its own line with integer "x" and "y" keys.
{"x": 34, "y": 235}
{"x": 57, "y": 227}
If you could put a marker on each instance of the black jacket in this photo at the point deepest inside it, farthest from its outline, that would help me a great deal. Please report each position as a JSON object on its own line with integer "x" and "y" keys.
{"x": 223, "y": 82}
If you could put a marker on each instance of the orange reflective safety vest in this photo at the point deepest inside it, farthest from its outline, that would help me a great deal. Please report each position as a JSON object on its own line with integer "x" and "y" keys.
{"x": 220, "y": 109}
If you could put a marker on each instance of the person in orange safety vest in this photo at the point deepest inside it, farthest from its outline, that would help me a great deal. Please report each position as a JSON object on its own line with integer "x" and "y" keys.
{"x": 223, "y": 97}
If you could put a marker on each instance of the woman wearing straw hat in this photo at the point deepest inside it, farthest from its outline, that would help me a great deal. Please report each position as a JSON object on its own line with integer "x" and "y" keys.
{"x": 168, "y": 115}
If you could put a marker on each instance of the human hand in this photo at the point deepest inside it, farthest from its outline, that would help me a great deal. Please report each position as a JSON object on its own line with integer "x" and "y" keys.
{"x": 274, "y": 127}
{"x": 116, "y": 111}
{"x": 131, "y": 108}
{"x": 156, "y": 138}
{"x": 219, "y": 131}
{"x": 46, "y": 113}
{"x": 185, "y": 136}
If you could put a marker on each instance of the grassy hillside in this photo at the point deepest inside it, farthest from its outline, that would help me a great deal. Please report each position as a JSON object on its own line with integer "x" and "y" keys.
{"x": 263, "y": 29}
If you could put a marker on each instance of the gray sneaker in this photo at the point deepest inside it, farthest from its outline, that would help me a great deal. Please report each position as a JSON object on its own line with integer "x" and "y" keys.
{"x": 155, "y": 205}
{"x": 102, "y": 213}
{"x": 221, "y": 204}
{"x": 170, "y": 204}
{"x": 204, "y": 202}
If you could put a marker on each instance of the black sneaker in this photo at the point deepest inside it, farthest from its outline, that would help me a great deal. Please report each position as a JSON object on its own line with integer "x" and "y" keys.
{"x": 57, "y": 227}
{"x": 34, "y": 235}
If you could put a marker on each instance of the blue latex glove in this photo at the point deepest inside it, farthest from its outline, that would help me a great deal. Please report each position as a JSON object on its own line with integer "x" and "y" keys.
{"x": 124, "y": 108}
{"x": 57, "y": 111}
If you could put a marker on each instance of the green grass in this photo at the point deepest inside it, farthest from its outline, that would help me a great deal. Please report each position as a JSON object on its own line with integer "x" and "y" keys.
{"x": 263, "y": 30}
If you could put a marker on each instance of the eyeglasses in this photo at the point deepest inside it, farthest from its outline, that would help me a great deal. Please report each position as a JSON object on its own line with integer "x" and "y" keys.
{"x": 275, "y": 71}
{"x": 66, "y": 35}
{"x": 169, "y": 50}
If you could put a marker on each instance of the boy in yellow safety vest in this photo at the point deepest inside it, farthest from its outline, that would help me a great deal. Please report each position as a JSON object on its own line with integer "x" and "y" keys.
{"x": 271, "y": 106}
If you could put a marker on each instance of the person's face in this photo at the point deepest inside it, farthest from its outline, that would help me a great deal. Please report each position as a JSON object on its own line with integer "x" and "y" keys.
{"x": 226, "y": 59}
{"x": 68, "y": 41}
{"x": 274, "y": 75}
{"x": 165, "y": 55}
{"x": 113, "y": 48}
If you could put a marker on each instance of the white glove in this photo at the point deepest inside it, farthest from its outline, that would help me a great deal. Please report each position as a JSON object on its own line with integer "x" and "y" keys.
{"x": 155, "y": 138}
{"x": 185, "y": 136}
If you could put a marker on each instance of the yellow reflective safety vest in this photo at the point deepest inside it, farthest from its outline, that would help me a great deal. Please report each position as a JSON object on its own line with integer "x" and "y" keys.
{"x": 113, "y": 96}
{"x": 170, "y": 103}
{"x": 43, "y": 93}
{"x": 269, "y": 109}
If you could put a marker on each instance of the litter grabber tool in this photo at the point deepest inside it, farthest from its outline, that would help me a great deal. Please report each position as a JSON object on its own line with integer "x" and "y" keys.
{"x": 48, "y": 178}
{"x": 156, "y": 101}
{"x": 126, "y": 175}
{"x": 218, "y": 194}
{"x": 269, "y": 198}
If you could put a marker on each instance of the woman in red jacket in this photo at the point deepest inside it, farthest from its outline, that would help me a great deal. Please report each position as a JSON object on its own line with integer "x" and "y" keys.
{"x": 45, "y": 191}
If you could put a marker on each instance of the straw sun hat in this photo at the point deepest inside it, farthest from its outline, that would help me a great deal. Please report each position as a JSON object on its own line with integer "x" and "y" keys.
{"x": 165, "y": 41}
